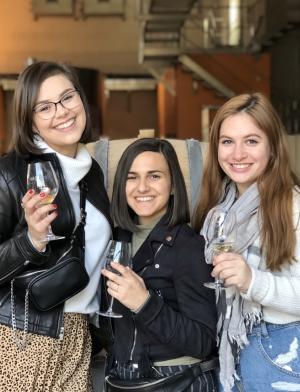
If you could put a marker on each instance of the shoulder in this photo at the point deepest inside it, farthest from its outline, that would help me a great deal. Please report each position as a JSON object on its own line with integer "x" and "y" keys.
{"x": 188, "y": 251}
{"x": 95, "y": 174}
{"x": 188, "y": 236}
{"x": 120, "y": 234}
{"x": 7, "y": 159}
{"x": 10, "y": 165}
{"x": 296, "y": 206}
{"x": 296, "y": 198}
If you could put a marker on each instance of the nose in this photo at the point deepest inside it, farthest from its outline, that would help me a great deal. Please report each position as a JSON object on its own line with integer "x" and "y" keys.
{"x": 239, "y": 152}
{"x": 60, "y": 110}
{"x": 143, "y": 185}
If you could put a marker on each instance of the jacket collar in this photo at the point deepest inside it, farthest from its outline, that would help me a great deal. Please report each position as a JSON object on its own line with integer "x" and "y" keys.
{"x": 160, "y": 235}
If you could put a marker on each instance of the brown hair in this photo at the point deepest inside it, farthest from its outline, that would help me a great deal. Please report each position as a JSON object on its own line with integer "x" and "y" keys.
{"x": 275, "y": 185}
{"x": 25, "y": 96}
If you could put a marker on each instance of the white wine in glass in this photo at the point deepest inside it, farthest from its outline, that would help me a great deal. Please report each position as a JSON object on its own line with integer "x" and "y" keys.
{"x": 119, "y": 252}
{"x": 224, "y": 238}
{"x": 41, "y": 177}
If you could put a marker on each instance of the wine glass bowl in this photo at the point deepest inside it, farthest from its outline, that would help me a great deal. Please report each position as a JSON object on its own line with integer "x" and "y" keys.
{"x": 223, "y": 225}
{"x": 118, "y": 252}
{"x": 41, "y": 178}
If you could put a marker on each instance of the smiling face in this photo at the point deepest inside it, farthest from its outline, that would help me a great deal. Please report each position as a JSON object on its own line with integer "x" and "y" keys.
{"x": 243, "y": 151}
{"x": 148, "y": 186}
{"x": 63, "y": 131}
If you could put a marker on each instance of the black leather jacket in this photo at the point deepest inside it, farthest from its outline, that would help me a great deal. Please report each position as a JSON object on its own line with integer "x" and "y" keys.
{"x": 16, "y": 251}
{"x": 179, "y": 319}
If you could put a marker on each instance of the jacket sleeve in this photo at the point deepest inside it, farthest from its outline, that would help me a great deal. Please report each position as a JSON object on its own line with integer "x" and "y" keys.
{"x": 16, "y": 249}
{"x": 191, "y": 329}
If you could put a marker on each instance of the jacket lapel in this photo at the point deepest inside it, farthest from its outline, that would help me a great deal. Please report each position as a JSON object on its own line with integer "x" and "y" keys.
{"x": 160, "y": 234}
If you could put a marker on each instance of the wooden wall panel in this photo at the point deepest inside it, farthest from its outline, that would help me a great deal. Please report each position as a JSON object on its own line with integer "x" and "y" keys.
{"x": 2, "y": 121}
{"x": 239, "y": 72}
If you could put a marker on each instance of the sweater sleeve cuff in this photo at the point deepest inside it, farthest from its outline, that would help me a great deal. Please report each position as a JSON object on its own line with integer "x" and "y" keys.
{"x": 247, "y": 295}
{"x": 259, "y": 286}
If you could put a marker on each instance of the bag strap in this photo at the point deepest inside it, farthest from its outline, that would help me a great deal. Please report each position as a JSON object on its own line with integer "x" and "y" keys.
{"x": 79, "y": 234}
{"x": 83, "y": 192}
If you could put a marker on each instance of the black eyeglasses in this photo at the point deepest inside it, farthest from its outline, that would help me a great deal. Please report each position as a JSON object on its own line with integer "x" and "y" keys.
{"x": 47, "y": 110}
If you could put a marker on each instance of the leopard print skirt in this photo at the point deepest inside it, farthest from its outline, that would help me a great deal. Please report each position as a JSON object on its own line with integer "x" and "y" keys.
{"x": 48, "y": 365}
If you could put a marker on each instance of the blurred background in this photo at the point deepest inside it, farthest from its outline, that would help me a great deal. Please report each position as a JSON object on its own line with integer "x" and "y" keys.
{"x": 160, "y": 64}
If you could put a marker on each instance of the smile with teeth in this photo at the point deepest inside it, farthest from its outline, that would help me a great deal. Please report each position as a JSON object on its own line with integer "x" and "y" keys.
{"x": 240, "y": 165}
{"x": 66, "y": 124}
{"x": 144, "y": 198}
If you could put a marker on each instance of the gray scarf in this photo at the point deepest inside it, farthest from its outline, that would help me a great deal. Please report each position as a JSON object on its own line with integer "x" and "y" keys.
{"x": 236, "y": 316}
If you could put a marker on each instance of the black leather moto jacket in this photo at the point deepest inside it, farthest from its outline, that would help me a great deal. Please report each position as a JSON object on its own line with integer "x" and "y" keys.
{"x": 16, "y": 251}
{"x": 179, "y": 319}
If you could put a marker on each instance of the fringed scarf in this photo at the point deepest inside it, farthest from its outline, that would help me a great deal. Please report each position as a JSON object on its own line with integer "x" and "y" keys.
{"x": 236, "y": 316}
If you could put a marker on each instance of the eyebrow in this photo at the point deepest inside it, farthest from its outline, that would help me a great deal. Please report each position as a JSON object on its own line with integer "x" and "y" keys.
{"x": 60, "y": 95}
{"x": 148, "y": 172}
{"x": 244, "y": 137}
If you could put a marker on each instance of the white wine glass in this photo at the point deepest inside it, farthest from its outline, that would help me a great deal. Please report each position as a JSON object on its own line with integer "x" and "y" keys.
{"x": 223, "y": 225}
{"x": 41, "y": 177}
{"x": 119, "y": 252}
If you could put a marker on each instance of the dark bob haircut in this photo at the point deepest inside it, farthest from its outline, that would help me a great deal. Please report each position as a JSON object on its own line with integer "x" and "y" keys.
{"x": 178, "y": 210}
{"x": 29, "y": 83}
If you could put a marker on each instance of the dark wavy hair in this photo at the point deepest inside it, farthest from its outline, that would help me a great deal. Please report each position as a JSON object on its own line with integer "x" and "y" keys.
{"x": 178, "y": 210}
{"x": 29, "y": 83}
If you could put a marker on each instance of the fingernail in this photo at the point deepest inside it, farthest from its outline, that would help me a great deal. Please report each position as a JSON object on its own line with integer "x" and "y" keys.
{"x": 31, "y": 191}
{"x": 42, "y": 194}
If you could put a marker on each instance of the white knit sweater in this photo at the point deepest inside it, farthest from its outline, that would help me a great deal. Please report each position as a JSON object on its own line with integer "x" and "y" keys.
{"x": 279, "y": 292}
{"x": 97, "y": 228}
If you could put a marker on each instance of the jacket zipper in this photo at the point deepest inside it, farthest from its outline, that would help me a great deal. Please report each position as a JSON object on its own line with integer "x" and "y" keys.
{"x": 11, "y": 273}
{"x": 60, "y": 332}
{"x": 134, "y": 341}
{"x": 135, "y": 329}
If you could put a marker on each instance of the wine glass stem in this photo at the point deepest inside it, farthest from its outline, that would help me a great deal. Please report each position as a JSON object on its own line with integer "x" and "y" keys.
{"x": 110, "y": 306}
{"x": 50, "y": 232}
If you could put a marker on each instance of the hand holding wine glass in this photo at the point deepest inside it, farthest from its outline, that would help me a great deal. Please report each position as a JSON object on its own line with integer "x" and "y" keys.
{"x": 118, "y": 252}
{"x": 223, "y": 224}
{"x": 41, "y": 178}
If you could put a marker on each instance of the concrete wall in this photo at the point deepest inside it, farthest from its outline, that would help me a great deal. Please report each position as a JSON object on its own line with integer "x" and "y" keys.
{"x": 108, "y": 44}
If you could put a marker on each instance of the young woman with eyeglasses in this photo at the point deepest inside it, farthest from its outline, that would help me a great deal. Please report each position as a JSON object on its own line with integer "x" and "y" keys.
{"x": 51, "y": 123}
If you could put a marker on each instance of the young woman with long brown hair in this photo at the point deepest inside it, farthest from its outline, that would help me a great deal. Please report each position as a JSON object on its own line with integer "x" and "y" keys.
{"x": 248, "y": 171}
